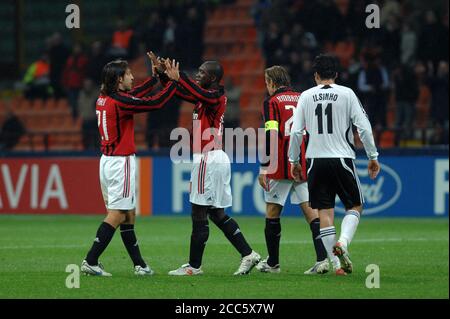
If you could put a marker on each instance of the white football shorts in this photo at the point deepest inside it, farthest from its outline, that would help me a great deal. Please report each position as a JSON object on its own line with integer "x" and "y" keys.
{"x": 278, "y": 191}
{"x": 118, "y": 181}
{"x": 210, "y": 180}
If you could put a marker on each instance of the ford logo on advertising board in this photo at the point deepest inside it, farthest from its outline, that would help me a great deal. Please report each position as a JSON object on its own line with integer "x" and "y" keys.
{"x": 379, "y": 194}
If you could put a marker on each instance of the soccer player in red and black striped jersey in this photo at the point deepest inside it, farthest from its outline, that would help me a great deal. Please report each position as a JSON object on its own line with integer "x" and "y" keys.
{"x": 276, "y": 178}
{"x": 211, "y": 172}
{"x": 116, "y": 105}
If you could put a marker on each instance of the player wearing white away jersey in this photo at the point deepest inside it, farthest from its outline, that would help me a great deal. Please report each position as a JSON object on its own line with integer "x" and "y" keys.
{"x": 328, "y": 112}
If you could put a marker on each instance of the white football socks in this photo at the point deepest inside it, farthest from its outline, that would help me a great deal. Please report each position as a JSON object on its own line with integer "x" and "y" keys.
{"x": 328, "y": 235}
{"x": 348, "y": 227}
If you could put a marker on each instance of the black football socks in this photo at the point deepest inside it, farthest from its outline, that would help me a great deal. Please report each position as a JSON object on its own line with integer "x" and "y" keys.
{"x": 199, "y": 237}
{"x": 129, "y": 240}
{"x": 273, "y": 236}
{"x": 104, "y": 235}
{"x": 231, "y": 230}
{"x": 321, "y": 253}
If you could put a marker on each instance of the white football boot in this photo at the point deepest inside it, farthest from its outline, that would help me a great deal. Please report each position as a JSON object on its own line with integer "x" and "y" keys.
{"x": 186, "y": 270}
{"x": 263, "y": 266}
{"x": 97, "y": 270}
{"x": 247, "y": 263}
{"x": 140, "y": 271}
{"x": 320, "y": 267}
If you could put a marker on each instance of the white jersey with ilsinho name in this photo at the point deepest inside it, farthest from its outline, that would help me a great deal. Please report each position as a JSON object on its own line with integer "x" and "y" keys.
{"x": 327, "y": 113}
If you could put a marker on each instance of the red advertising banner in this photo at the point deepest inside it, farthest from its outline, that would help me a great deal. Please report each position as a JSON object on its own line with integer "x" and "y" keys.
{"x": 50, "y": 186}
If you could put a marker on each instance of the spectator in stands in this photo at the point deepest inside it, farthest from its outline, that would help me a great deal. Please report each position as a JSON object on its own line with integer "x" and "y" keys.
{"x": 160, "y": 123}
{"x": 193, "y": 34}
{"x": 373, "y": 83}
{"x": 152, "y": 32}
{"x": 295, "y": 67}
{"x": 439, "y": 95}
{"x": 232, "y": 117}
{"x": 170, "y": 39}
{"x": 406, "y": 94}
{"x": 438, "y": 135}
{"x": 408, "y": 45}
{"x": 12, "y": 130}
{"x": 86, "y": 104}
{"x": 37, "y": 79}
{"x": 58, "y": 54}
{"x": 391, "y": 40}
{"x": 271, "y": 42}
{"x": 433, "y": 41}
{"x": 96, "y": 62}
{"x": 281, "y": 56}
{"x": 73, "y": 76}
{"x": 306, "y": 79}
{"x": 122, "y": 41}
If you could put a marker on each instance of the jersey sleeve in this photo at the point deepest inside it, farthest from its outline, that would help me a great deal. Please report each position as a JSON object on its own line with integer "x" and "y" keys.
{"x": 271, "y": 124}
{"x": 181, "y": 93}
{"x": 298, "y": 127}
{"x": 131, "y": 104}
{"x": 144, "y": 88}
{"x": 360, "y": 120}
{"x": 199, "y": 93}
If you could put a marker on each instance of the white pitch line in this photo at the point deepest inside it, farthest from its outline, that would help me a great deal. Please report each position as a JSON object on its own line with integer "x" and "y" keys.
{"x": 301, "y": 242}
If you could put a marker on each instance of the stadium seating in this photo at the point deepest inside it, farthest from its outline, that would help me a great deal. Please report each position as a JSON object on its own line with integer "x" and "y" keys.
{"x": 230, "y": 37}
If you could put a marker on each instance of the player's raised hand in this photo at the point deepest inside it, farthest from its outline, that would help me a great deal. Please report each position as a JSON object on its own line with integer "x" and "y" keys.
{"x": 374, "y": 168}
{"x": 157, "y": 64}
{"x": 172, "y": 69}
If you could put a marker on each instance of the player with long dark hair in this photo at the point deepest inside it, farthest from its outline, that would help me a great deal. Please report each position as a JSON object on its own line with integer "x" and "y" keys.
{"x": 115, "y": 107}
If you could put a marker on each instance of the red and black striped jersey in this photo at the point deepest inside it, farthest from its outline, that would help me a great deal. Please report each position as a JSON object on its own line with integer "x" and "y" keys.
{"x": 115, "y": 115}
{"x": 277, "y": 115}
{"x": 208, "y": 114}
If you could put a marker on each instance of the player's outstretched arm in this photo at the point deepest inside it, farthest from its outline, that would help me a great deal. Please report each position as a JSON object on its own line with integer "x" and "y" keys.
{"x": 145, "y": 87}
{"x": 159, "y": 69}
{"x": 199, "y": 93}
{"x": 132, "y": 104}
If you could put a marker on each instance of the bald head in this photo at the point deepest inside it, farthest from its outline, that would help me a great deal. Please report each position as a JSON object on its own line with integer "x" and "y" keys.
{"x": 209, "y": 74}
{"x": 214, "y": 69}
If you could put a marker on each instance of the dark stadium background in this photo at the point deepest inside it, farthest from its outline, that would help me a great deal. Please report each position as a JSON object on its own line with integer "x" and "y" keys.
{"x": 49, "y": 81}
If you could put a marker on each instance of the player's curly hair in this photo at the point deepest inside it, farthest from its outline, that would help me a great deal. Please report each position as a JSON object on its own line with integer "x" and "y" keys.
{"x": 278, "y": 75}
{"x": 110, "y": 76}
{"x": 326, "y": 66}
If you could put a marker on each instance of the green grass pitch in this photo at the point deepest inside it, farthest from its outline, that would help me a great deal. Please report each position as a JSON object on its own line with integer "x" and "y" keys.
{"x": 412, "y": 255}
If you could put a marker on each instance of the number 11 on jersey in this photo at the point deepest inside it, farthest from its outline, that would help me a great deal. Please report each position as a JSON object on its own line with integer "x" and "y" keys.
{"x": 328, "y": 114}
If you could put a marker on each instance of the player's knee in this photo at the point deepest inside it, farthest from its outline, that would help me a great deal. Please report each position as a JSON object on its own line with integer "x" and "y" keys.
{"x": 199, "y": 213}
{"x": 216, "y": 215}
{"x": 273, "y": 210}
{"x": 358, "y": 208}
{"x": 200, "y": 231}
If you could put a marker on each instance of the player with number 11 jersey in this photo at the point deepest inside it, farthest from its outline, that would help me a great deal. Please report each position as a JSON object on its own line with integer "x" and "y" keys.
{"x": 276, "y": 178}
